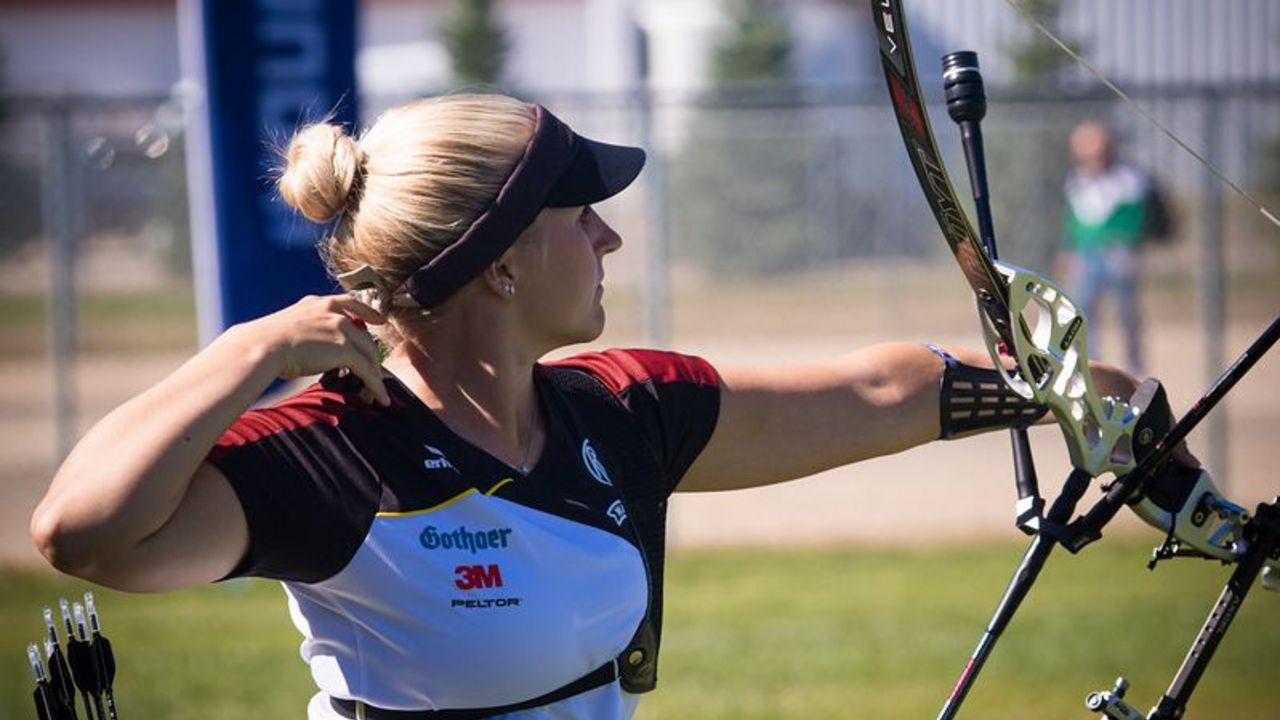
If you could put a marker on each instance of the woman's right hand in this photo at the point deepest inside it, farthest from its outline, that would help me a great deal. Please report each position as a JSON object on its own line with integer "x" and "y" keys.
{"x": 320, "y": 333}
{"x": 136, "y": 506}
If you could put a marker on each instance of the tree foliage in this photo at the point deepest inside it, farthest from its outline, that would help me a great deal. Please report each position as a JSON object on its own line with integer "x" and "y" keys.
{"x": 476, "y": 41}
{"x": 741, "y": 180}
{"x": 1036, "y": 59}
{"x": 758, "y": 47}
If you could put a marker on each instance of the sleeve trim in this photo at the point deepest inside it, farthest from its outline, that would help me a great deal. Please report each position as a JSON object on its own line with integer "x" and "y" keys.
{"x": 621, "y": 370}
{"x": 312, "y": 406}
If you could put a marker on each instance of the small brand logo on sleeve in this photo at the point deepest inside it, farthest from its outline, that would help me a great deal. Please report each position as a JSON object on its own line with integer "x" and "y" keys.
{"x": 618, "y": 512}
{"x": 592, "y": 462}
{"x": 436, "y": 460}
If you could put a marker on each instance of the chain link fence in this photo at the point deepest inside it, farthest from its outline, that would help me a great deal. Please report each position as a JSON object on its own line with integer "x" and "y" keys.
{"x": 749, "y": 203}
{"x": 101, "y": 172}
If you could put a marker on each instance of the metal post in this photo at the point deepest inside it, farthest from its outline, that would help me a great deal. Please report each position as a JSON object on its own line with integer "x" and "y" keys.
{"x": 1210, "y": 278}
{"x": 58, "y": 207}
{"x": 657, "y": 278}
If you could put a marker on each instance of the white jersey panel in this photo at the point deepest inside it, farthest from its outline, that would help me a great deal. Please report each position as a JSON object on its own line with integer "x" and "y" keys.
{"x": 478, "y": 602}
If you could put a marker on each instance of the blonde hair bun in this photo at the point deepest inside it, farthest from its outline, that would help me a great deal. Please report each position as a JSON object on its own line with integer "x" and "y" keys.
{"x": 323, "y": 172}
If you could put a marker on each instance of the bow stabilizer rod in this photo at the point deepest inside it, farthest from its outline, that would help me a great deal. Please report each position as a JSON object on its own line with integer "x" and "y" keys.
{"x": 967, "y": 105}
{"x": 975, "y": 258}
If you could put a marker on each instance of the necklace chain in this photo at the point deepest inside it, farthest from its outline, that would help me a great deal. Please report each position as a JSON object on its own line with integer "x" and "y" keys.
{"x": 528, "y": 446}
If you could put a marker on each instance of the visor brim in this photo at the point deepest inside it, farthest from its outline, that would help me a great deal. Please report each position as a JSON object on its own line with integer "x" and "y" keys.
{"x": 598, "y": 171}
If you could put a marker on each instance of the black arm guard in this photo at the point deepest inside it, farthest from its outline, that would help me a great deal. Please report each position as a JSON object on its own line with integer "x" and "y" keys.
{"x": 973, "y": 398}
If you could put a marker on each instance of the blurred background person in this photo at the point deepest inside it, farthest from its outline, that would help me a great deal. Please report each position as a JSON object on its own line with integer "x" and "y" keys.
{"x": 1107, "y": 204}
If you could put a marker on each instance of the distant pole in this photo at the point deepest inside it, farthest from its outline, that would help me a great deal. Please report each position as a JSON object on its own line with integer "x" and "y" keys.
{"x": 657, "y": 277}
{"x": 1211, "y": 281}
{"x": 58, "y": 207}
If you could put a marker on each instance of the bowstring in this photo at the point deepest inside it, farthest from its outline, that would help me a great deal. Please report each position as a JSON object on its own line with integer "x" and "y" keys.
{"x": 1026, "y": 14}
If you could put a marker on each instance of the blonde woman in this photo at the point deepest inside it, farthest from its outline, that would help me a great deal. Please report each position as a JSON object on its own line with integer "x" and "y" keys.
{"x": 463, "y": 531}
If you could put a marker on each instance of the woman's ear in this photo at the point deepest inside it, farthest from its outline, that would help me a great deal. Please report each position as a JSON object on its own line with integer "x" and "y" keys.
{"x": 499, "y": 277}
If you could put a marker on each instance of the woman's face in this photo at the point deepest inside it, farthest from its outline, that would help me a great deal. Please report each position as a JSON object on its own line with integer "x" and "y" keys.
{"x": 560, "y": 272}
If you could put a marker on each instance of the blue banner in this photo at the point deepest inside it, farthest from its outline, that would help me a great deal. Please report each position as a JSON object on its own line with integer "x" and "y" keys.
{"x": 263, "y": 68}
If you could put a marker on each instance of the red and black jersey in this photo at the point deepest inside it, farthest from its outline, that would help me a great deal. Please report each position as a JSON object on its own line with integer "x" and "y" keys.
{"x": 424, "y": 573}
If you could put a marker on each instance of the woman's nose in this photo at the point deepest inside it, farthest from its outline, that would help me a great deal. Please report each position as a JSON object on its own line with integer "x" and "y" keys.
{"x": 609, "y": 239}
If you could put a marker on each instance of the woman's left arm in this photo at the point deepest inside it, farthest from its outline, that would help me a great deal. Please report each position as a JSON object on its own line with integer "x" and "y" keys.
{"x": 783, "y": 423}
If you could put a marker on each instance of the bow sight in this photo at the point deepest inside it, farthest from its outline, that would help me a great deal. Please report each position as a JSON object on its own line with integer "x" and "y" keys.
{"x": 1029, "y": 320}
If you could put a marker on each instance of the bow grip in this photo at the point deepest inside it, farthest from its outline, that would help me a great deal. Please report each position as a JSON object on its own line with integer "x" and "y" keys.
{"x": 1154, "y": 422}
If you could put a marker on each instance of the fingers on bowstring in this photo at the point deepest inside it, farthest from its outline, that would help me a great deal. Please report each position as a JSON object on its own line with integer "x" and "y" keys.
{"x": 366, "y": 365}
{"x": 357, "y": 310}
{"x": 370, "y": 373}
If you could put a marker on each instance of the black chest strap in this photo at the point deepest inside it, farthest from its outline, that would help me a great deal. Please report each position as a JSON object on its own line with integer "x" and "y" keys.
{"x": 638, "y": 476}
{"x": 357, "y": 710}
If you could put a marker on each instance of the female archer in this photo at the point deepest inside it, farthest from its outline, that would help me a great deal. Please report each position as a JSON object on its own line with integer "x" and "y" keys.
{"x": 461, "y": 529}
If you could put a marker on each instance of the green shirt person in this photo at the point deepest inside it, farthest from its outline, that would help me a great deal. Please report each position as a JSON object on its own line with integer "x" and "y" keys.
{"x": 1104, "y": 225}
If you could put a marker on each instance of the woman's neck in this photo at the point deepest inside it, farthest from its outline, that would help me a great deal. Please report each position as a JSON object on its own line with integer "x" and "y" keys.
{"x": 478, "y": 384}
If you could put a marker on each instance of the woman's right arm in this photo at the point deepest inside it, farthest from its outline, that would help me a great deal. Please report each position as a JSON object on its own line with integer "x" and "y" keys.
{"x": 135, "y": 506}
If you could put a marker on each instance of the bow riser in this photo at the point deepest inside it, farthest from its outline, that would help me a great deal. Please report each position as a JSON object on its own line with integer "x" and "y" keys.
{"x": 1098, "y": 430}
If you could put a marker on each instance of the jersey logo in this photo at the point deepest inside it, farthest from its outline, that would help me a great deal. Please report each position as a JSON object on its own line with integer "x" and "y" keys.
{"x": 461, "y": 538}
{"x": 437, "y": 461}
{"x": 618, "y": 512}
{"x": 485, "y": 603}
{"x": 472, "y": 577}
{"x": 592, "y": 462}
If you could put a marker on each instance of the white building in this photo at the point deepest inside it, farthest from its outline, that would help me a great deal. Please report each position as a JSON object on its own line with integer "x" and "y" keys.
{"x": 130, "y": 47}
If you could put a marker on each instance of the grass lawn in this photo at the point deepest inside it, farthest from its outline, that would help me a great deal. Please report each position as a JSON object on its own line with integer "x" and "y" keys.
{"x": 141, "y": 322}
{"x": 889, "y": 299}
{"x": 840, "y": 633}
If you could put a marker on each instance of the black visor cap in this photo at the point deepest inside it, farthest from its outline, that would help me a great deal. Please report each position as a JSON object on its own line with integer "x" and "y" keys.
{"x": 598, "y": 171}
{"x": 559, "y": 168}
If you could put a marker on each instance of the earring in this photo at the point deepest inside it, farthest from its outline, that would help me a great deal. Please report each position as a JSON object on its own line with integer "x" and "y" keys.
{"x": 509, "y": 287}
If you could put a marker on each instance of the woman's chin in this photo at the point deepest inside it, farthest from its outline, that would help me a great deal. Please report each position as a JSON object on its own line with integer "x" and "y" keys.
{"x": 596, "y": 325}
{"x": 589, "y": 331}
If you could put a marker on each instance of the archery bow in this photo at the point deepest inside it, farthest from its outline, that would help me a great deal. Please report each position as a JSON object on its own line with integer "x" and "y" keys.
{"x": 1131, "y": 440}
{"x": 1052, "y": 356}
{"x": 1056, "y": 375}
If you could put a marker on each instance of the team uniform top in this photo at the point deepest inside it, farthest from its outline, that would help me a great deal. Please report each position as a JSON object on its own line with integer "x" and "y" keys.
{"x": 423, "y": 573}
